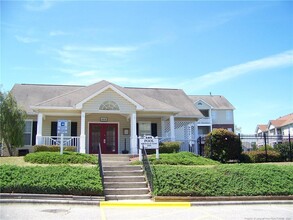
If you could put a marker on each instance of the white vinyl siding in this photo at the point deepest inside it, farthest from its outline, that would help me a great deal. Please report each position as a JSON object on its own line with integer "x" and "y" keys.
{"x": 49, "y": 119}
{"x": 93, "y": 105}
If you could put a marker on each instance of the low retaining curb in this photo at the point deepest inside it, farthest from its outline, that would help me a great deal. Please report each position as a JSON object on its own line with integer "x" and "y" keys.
{"x": 49, "y": 198}
{"x": 158, "y": 201}
{"x": 222, "y": 198}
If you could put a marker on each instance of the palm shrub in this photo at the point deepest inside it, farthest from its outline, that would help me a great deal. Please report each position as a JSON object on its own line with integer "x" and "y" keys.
{"x": 222, "y": 145}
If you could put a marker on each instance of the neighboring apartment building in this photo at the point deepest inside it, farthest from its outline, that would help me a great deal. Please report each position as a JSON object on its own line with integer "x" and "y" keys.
{"x": 217, "y": 111}
{"x": 116, "y": 116}
{"x": 276, "y": 131}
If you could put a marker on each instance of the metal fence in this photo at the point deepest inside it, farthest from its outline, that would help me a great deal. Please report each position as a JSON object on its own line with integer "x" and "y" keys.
{"x": 253, "y": 142}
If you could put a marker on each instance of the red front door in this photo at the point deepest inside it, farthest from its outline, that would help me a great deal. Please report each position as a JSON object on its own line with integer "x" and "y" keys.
{"x": 106, "y": 135}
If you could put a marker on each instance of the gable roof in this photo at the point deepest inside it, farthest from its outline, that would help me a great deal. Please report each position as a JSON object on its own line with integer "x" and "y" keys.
{"x": 31, "y": 94}
{"x": 261, "y": 127}
{"x": 72, "y": 97}
{"x": 173, "y": 97}
{"x": 216, "y": 101}
{"x": 282, "y": 121}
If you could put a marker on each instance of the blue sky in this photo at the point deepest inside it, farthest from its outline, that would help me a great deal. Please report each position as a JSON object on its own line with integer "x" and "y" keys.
{"x": 242, "y": 50}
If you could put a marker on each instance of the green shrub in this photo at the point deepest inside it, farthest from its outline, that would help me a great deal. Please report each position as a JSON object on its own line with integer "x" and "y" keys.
{"x": 53, "y": 148}
{"x": 223, "y": 180}
{"x": 169, "y": 147}
{"x": 263, "y": 148}
{"x": 56, "y": 158}
{"x": 182, "y": 158}
{"x": 260, "y": 156}
{"x": 284, "y": 150}
{"x": 222, "y": 145}
{"x": 50, "y": 180}
{"x": 166, "y": 147}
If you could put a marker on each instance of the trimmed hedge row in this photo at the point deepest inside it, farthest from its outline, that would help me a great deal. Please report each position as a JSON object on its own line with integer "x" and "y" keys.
{"x": 224, "y": 180}
{"x": 259, "y": 156}
{"x": 57, "y": 158}
{"x": 53, "y": 148}
{"x": 50, "y": 180}
{"x": 182, "y": 158}
{"x": 169, "y": 147}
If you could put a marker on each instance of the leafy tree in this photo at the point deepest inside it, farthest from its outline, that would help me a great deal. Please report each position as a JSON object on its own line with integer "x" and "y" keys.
{"x": 12, "y": 122}
{"x": 222, "y": 145}
{"x": 284, "y": 150}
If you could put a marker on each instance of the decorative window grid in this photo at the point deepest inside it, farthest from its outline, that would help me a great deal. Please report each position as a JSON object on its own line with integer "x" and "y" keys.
{"x": 109, "y": 105}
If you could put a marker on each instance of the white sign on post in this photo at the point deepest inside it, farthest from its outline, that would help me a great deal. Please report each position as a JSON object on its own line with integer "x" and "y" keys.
{"x": 62, "y": 127}
{"x": 148, "y": 142}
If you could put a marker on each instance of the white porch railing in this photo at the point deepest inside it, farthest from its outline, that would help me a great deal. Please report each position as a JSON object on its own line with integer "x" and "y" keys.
{"x": 204, "y": 121}
{"x": 56, "y": 140}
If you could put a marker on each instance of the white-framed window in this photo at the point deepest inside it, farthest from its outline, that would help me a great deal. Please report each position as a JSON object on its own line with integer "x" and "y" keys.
{"x": 28, "y": 130}
{"x": 228, "y": 115}
{"x": 144, "y": 128}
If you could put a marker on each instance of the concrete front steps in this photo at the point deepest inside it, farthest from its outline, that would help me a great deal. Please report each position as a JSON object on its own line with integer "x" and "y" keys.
{"x": 123, "y": 181}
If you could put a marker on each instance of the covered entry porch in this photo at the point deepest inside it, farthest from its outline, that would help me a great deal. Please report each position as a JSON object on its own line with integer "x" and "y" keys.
{"x": 116, "y": 133}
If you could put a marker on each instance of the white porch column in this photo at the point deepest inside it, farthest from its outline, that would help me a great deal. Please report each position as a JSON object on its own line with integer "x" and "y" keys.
{"x": 82, "y": 134}
{"x": 172, "y": 127}
{"x": 133, "y": 137}
{"x": 39, "y": 129}
{"x": 196, "y": 137}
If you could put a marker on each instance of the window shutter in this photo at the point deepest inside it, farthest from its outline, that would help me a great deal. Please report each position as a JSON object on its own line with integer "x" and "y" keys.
{"x": 137, "y": 129}
{"x": 74, "y": 129}
{"x": 34, "y": 134}
{"x": 54, "y": 128}
{"x": 154, "y": 129}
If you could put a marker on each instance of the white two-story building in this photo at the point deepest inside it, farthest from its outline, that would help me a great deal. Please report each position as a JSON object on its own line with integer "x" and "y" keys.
{"x": 218, "y": 112}
{"x": 276, "y": 131}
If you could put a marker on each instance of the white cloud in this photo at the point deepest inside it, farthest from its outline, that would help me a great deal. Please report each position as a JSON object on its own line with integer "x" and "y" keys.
{"x": 121, "y": 49}
{"x": 26, "y": 40}
{"x": 275, "y": 61}
{"x": 39, "y": 5}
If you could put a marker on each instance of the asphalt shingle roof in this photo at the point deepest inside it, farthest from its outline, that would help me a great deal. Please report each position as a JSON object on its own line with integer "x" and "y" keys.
{"x": 216, "y": 101}
{"x": 164, "y": 100}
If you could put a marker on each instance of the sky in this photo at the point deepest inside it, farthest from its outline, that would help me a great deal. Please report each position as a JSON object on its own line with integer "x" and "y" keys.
{"x": 242, "y": 50}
